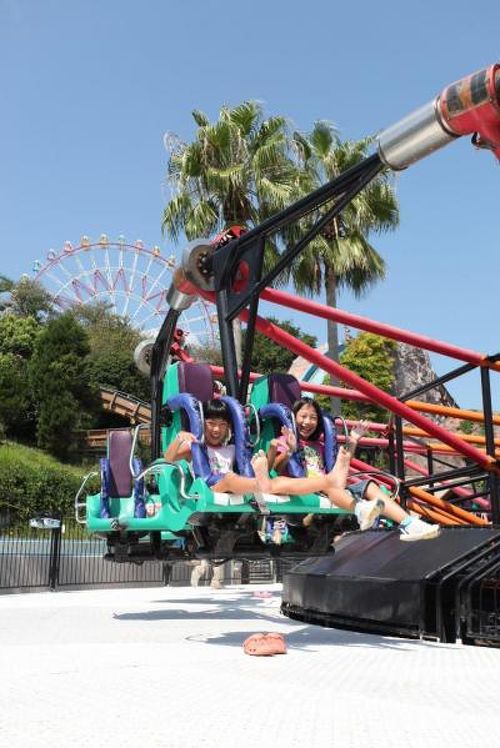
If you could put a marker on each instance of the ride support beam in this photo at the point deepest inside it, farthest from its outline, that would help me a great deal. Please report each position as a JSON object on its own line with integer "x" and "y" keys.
{"x": 370, "y": 392}
{"x": 470, "y": 438}
{"x": 454, "y": 511}
{"x": 378, "y": 328}
{"x": 355, "y": 396}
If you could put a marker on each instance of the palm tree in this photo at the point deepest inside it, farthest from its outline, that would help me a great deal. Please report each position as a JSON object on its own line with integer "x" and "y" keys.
{"x": 342, "y": 256}
{"x": 237, "y": 171}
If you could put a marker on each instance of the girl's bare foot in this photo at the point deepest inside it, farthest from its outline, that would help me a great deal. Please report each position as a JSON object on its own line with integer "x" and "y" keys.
{"x": 260, "y": 468}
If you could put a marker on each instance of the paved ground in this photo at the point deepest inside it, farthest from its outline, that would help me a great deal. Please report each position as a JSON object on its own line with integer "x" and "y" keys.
{"x": 165, "y": 667}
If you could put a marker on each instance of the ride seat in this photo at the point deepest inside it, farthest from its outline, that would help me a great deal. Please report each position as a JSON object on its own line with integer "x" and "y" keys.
{"x": 196, "y": 379}
{"x": 117, "y": 481}
{"x": 274, "y": 397}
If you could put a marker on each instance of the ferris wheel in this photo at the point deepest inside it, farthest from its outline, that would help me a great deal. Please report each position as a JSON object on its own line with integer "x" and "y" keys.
{"x": 132, "y": 279}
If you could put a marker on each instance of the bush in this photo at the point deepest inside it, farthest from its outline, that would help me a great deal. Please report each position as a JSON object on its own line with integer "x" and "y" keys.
{"x": 32, "y": 482}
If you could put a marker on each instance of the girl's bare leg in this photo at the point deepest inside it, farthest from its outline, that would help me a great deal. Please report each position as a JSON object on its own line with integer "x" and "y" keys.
{"x": 392, "y": 510}
{"x": 233, "y": 483}
{"x": 282, "y": 483}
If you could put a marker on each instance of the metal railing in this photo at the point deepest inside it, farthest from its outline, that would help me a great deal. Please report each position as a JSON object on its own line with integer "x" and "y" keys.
{"x": 68, "y": 557}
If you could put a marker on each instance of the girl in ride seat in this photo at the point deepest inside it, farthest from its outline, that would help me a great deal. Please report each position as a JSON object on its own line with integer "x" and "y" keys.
{"x": 365, "y": 498}
{"x": 221, "y": 455}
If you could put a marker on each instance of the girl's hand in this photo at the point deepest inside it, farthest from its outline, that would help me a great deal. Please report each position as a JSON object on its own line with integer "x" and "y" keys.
{"x": 359, "y": 430}
{"x": 290, "y": 438}
{"x": 186, "y": 436}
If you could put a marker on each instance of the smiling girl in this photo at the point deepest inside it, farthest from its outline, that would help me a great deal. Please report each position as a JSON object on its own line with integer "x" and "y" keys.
{"x": 364, "y": 498}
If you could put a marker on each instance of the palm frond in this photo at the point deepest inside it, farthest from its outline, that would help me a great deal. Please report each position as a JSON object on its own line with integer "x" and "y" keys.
{"x": 200, "y": 118}
{"x": 175, "y": 215}
{"x": 246, "y": 116}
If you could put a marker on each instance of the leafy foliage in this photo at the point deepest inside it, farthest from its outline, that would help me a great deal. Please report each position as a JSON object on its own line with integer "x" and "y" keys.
{"x": 61, "y": 383}
{"x": 18, "y": 335}
{"x": 269, "y": 357}
{"x": 238, "y": 170}
{"x": 372, "y": 358}
{"x": 17, "y": 341}
{"x": 16, "y": 409}
{"x": 32, "y": 482}
{"x": 112, "y": 341}
{"x": 466, "y": 427}
{"x": 30, "y": 299}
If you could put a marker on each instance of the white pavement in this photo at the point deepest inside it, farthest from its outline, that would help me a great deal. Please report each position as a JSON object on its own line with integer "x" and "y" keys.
{"x": 165, "y": 667}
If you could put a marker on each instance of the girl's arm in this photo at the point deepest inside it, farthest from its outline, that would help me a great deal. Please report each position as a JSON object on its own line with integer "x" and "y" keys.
{"x": 180, "y": 448}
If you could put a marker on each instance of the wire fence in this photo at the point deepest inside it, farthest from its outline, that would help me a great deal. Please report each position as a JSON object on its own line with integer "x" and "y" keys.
{"x": 68, "y": 557}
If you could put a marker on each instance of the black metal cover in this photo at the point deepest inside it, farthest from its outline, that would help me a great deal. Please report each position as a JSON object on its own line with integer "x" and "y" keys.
{"x": 375, "y": 582}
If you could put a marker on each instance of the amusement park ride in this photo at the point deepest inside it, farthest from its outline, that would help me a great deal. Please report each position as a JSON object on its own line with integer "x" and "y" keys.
{"x": 367, "y": 581}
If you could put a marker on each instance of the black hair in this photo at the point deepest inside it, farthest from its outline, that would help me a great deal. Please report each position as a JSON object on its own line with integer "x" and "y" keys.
{"x": 310, "y": 401}
{"x": 217, "y": 409}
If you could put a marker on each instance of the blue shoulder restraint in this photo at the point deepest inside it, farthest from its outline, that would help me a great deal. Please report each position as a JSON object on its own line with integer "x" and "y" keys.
{"x": 283, "y": 414}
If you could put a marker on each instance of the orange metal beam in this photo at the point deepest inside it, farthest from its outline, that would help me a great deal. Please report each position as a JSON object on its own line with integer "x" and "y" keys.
{"x": 454, "y": 511}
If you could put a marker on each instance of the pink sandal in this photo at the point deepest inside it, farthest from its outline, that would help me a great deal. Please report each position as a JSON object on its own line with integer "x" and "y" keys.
{"x": 264, "y": 645}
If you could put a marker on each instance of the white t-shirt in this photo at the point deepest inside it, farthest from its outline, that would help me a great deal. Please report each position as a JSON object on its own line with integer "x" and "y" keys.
{"x": 221, "y": 459}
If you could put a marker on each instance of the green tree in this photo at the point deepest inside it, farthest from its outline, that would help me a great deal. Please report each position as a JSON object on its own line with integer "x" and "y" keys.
{"x": 16, "y": 405}
{"x": 30, "y": 299}
{"x": 237, "y": 171}
{"x": 18, "y": 337}
{"x": 342, "y": 256}
{"x": 371, "y": 357}
{"x": 6, "y": 286}
{"x": 60, "y": 379}
{"x": 112, "y": 341}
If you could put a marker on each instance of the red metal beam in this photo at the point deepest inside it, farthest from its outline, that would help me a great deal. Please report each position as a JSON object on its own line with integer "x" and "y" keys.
{"x": 379, "y": 328}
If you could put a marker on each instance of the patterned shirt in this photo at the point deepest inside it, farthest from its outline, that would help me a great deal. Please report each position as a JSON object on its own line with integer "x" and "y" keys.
{"x": 314, "y": 455}
{"x": 221, "y": 459}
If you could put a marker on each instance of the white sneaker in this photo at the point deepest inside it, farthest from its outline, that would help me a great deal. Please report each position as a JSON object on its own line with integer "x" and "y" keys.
{"x": 418, "y": 530}
{"x": 367, "y": 512}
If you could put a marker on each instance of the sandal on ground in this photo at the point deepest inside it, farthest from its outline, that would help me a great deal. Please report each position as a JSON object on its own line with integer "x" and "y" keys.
{"x": 264, "y": 645}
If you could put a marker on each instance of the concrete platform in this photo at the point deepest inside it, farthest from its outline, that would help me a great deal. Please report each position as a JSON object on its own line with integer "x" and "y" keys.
{"x": 165, "y": 667}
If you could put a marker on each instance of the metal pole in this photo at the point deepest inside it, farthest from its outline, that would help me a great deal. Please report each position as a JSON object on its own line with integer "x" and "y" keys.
{"x": 227, "y": 344}
{"x": 400, "y": 456}
{"x": 490, "y": 445}
{"x": 55, "y": 555}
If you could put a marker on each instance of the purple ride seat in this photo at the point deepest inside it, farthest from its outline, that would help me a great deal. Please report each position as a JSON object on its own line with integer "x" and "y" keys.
{"x": 117, "y": 481}
{"x": 284, "y": 389}
{"x": 120, "y": 479}
{"x": 196, "y": 379}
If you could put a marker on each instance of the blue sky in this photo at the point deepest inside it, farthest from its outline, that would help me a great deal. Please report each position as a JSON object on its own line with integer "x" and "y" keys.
{"x": 89, "y": 89}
